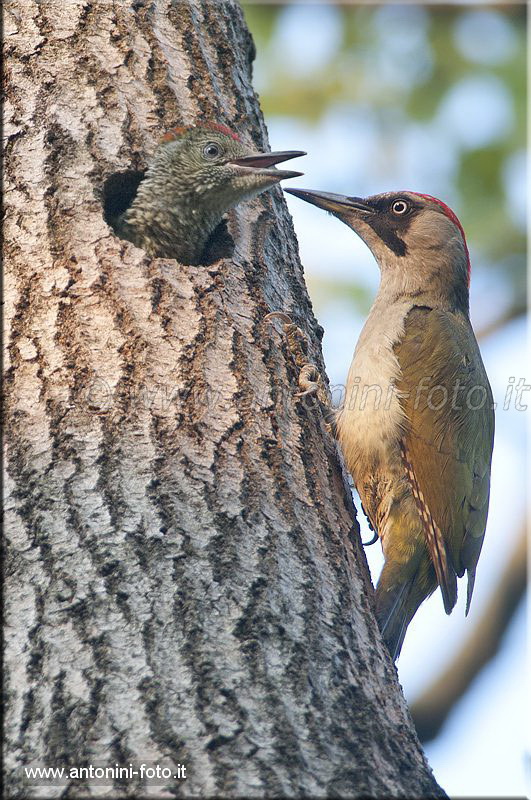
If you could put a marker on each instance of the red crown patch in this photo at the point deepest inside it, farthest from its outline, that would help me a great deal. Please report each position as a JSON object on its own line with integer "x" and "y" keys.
{"x": 452, "y": 216}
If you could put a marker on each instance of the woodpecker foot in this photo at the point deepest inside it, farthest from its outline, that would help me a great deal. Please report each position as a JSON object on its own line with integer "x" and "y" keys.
{"x": 353, "y": 536}
{"x": 375, "y": 536}
{"x": 310, "y": 382}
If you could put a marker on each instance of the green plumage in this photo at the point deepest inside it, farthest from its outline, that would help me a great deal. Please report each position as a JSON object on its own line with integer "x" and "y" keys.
{"x": 448, "y": 436}
{"x": 417, "y": 424}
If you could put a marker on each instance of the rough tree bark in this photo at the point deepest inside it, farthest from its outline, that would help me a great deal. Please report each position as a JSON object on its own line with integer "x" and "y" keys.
{"x": 180, "y": 583}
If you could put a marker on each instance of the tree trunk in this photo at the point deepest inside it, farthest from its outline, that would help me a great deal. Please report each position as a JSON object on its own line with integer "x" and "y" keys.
{"x": 181, "y": 587}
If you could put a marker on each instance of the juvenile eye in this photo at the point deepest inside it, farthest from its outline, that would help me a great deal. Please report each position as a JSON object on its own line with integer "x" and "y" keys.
{"x": 400, "y": 207}
{"x": 212, "y": 150}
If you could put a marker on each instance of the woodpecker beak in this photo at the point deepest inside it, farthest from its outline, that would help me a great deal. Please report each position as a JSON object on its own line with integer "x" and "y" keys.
{"x": 335, "y": 203}
{"x": 264, "y": 164}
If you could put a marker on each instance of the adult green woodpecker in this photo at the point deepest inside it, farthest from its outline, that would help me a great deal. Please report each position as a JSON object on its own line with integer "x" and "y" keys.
{"x": 417, "y": 424}
{"x": 195, "y": 175}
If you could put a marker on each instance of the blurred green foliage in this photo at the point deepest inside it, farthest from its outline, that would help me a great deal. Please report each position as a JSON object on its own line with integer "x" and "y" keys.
{"x": 447, "y": 51}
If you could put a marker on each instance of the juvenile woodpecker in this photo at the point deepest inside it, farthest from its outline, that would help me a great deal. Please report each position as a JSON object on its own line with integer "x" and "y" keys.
{"x": 417, "y": 424}
{"x": 196, "y": 174}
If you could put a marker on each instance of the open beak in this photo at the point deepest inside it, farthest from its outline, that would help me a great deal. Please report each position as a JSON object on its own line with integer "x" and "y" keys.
{"x": 264, "y": 163}
{"x": 335, "y": 203}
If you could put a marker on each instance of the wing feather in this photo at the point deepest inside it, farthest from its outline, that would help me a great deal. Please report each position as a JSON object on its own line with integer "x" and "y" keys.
{"x": 447, "y": 443}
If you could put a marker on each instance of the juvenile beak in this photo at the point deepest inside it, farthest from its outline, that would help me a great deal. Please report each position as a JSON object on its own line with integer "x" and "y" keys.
{"x": 264, "y": 163}
{"x": 335, "y": 203}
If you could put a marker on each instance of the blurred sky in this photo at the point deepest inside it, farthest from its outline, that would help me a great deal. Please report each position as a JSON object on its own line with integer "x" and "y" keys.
{"x": 364, "y": 141}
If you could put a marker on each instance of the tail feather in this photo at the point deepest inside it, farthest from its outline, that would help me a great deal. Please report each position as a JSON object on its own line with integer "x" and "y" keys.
{"x": 395, "y": 608}
{"x": 470, "y": 589}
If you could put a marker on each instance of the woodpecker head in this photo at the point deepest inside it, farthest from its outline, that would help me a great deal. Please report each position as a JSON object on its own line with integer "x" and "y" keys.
{"x": 213, "y": 168}
{"x": 195, "y": 175}
{"x": 416, "y": 239}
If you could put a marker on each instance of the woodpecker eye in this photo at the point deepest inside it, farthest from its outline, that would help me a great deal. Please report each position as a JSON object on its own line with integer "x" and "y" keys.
{"x": 212, "y": 150}
{"x": 400, "y": 207}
